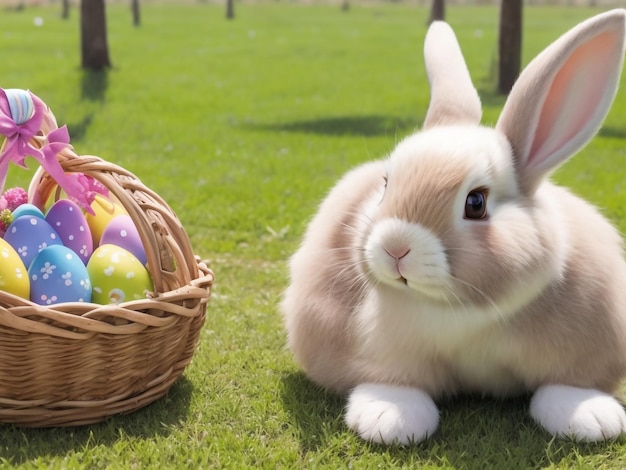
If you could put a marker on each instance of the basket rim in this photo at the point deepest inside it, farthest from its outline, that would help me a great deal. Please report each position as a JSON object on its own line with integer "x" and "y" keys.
{"x": 81, "y": 320}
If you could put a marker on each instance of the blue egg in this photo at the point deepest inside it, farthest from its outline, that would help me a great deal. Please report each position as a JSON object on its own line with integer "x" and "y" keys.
{"x": 28, "y": 235}
{"x": 27, "y": 209}
{"x": 58, "y": 275}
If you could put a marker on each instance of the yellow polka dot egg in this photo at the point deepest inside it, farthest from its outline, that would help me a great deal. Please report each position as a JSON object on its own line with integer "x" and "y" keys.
{"x": 117, "y": 276}
{"x": 13, "y": 273}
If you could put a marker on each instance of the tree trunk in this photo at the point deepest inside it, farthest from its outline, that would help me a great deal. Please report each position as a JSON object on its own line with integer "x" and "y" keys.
{"x": 509, "y": 44}
{"x": 437, "y": 11}
{"x": 65, "y": 9}
{"x": 93, "y": 33}
{"x": 230, "y": 9}
{"x": 134, "y": 5}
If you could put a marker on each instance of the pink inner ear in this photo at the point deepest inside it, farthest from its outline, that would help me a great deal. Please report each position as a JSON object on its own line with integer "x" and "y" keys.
{"x": 575, "y": 99}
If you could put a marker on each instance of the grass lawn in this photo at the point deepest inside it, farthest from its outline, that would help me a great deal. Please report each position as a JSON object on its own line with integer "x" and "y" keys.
{"x": 242, "y": 127}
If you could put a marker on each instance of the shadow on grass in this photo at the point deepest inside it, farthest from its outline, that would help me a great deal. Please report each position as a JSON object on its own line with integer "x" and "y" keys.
{"x": 94, "y": 84}
{"x": 369, "y": 126}
{"x": 93, "y": 88}
{"x": 19, "y": 445}
{"x": 490, "y": 98}
{"x": 474, "y": 432}
{"x": 314, "y": 413}
{"x": 78, "y": 129}
{"x": 615, "y": 132}
{"x": 378, "y": 125}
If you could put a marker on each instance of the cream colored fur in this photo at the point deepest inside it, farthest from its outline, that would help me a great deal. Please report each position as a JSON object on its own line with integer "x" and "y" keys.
{"x": 398, "y": 298}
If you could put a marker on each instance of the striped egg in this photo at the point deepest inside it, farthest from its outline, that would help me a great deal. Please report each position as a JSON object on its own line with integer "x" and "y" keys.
{"x": 21, "y": 105}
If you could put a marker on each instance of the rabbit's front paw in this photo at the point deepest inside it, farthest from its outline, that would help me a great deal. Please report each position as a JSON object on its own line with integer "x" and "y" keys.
{"x": 388, "y": 414}
{"x": 582, "y": 414}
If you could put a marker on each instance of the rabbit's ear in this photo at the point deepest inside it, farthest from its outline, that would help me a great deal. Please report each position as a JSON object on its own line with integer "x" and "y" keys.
{"x": 561, "y": 98}
{"x": 453, "y": 98}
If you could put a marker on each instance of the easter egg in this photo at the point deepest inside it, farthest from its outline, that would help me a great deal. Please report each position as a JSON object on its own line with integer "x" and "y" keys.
{"x": 28, "y": 235}
{"x": 27, "y": 209}
{"x": 55, "y": 195}
{"x": 117, "y": 276}
{"x": 122, "y": 232}
{"x": 69, "y": 222}
{"x": 104, "y": 211}
{"x": 57, "y": 275}
{"x": 13, "y": 273}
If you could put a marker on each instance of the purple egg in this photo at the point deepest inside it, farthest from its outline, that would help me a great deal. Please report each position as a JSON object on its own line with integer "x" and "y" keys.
{"x": 28, "y": 235}
{"x": 58, "y": 275}
{"x": 122, "y": 232}
{"x": 70, "y": 223}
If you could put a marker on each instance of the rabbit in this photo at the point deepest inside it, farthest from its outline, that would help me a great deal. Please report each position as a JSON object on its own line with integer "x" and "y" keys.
{"x": 454, "y": 265}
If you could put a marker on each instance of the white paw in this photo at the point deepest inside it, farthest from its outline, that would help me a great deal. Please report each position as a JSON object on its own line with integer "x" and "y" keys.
{"x": 388, "y": 414}
{"x": 582, "y": 414}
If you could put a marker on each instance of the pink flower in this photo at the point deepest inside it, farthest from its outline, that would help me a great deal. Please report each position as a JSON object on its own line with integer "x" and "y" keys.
{"x": 14, "y": 198}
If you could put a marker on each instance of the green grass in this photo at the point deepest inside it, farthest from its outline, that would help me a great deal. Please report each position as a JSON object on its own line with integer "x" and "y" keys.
{"x": 242, "y": 127}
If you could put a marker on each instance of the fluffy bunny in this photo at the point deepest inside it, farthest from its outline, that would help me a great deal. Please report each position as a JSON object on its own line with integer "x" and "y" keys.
{"x": 455, "y": 266}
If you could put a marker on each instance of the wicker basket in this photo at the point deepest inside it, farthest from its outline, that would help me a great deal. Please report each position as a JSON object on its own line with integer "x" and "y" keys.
{"x": 79, "y": 363}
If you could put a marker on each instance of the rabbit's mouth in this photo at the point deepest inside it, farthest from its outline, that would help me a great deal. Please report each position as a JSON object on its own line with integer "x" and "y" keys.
{"x": 403, "y": 280}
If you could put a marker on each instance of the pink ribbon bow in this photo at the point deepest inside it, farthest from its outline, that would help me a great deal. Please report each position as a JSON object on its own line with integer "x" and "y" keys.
{"x": 24, "y": 119}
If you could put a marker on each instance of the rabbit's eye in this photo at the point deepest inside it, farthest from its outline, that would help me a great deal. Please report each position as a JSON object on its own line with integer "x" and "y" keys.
{"x": 476, "y": 204}
{"x": 384, "y": 189}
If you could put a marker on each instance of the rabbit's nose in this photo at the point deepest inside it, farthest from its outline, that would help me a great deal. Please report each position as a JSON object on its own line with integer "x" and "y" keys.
{"x": 398, "y": 252}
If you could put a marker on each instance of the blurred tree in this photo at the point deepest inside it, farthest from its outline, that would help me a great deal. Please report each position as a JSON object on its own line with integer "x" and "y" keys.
{"x": 509, "y": 44}
{"x": 93, "y": 34}
{"x": 230, "y": 9}
{"x": 65, "y": 9}
{"x": 134, "y": 6}
{"x": 437, "y": 11}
